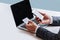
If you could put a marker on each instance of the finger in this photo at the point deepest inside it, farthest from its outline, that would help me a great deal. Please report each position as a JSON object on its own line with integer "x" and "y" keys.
{"x": 39, "y": 21}
{"x": 45, "y": 22}
{"x": 45, "y": 15}
{"x": 42, "y": 13}
{"x": 36, "y": 18}
{"x": 27, "y": 25}
{"x": 30, "y": 22}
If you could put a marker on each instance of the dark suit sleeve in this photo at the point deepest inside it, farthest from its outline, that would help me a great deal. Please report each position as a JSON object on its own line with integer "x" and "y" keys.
{"x": 47, "y": 35}
{"x": 56, "y": 21}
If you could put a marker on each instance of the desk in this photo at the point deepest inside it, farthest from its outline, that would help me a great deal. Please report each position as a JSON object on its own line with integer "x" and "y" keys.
{"x": 8, "y": 30}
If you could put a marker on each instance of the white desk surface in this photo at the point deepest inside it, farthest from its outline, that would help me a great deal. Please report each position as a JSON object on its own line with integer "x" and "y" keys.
{"x": 8, "y": 30}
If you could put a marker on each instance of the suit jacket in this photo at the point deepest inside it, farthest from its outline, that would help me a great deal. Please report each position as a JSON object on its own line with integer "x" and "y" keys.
{"x": 47, "y": 35}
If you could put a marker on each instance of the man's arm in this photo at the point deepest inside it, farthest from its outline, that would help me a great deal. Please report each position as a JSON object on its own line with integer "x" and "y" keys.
{"x": 42, "y": 32}
{"x": 56, "y": 21}
{"x": 46, "y": 35}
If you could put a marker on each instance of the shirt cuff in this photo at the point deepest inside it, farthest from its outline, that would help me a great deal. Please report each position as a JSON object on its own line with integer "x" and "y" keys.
{"x": 37, "y": 28}
{"x": 51, "y": 20}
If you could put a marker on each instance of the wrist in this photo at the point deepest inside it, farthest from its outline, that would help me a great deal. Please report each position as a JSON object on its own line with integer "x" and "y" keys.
{"x": 34, "y": 31}
{"x": 37, "y": 28}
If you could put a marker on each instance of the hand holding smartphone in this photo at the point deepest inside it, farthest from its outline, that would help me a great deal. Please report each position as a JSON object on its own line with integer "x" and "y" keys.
{"x": 36, "y": 13}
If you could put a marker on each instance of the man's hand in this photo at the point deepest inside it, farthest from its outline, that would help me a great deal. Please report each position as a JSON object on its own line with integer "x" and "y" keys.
{"x": 46, "y": 19}
{"x": 31, "y": 27}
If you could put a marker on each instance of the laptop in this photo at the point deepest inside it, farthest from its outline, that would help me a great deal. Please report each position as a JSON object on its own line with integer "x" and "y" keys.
{"x": 20, "y": 11}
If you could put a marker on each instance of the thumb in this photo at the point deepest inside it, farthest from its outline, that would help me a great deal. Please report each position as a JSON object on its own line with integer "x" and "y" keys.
{"x": 42, "y": 13}
{"x": 30, "y": 22}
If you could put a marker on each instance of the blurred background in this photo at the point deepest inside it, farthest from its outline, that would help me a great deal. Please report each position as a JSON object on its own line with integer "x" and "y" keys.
{"x": 42, "y": 4}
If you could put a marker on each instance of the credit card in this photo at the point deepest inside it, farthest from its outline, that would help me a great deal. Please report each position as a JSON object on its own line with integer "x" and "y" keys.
{"x": 25, "y": 20}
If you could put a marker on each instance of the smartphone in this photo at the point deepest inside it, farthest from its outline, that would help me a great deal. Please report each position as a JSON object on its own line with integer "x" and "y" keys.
{"x": 36, "y": 13}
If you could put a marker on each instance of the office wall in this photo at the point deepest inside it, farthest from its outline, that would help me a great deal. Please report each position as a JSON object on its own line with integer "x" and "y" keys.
{"x": 42, "y": 4}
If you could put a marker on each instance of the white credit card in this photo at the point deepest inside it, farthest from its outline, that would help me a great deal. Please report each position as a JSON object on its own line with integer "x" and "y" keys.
{"x": 36, "y": 13}
{"x": 25, "y": 20}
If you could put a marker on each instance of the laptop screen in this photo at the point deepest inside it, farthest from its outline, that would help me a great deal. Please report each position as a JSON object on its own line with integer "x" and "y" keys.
{"x": 21, "y": 10}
